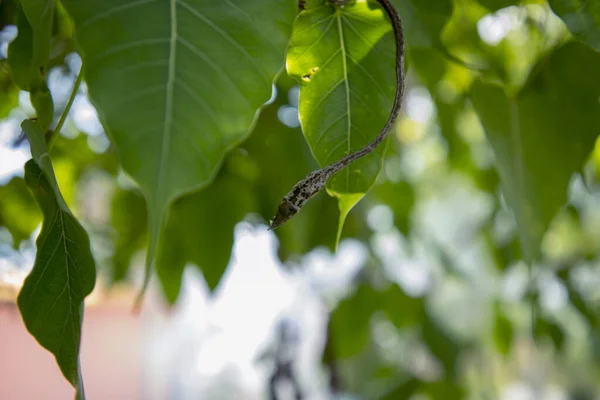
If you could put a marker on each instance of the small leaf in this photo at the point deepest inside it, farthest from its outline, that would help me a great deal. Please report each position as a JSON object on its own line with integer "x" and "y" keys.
{"x": 200, "y": 231}
{"x": 344, "y": 59}
{"x": 64, "y": 273}
{"x": 9, "y": 92}
{"x": 129, "y": 219}
{"x": 555, "y": 117}
{"x": 18, "y": 211}
{"x": 582, "y": 19}
{"x": 39, "y": 14}
{"x": 188, "y": 77}
{"x": 20, "y": 56}
{"x": 28, "y": 58}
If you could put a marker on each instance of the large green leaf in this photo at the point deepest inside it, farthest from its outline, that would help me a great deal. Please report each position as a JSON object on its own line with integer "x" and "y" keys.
{"x": 344, "y": 59}
{"x": 51, "y": 300}
{"x": 582, "y": 17}
{"x": 542, "y": 136}
{"x": 200, "y": 231}
{"x": 177, "y": 83}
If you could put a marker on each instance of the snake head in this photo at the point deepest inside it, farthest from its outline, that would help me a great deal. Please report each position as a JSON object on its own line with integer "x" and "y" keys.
{"x": 285, "y": 211}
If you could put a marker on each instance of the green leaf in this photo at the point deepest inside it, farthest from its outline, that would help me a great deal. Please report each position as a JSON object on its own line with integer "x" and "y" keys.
{"x": 51, "y": 300}
{"x": 39, "y": 14}
{"x": 424, "y": 20}
{"x": 9, "y": 92}
{"x": 401, "y": 309}
{"x": 555, "y": 117}
{"x": 18, "y": 210}
{"x": 20, "y": 56}
{"x": 200, "y": 231}
{"x": 274, "y": 146}
{"x": 548, "y": 329}
{"x": 350, "y": 322}
{"x": 403, "y": 391}
{"x": 178, "y": 83}
{"x": 445, "y": 390}
{"x": 42, "y": 102}
{"x": 401, "y": 198}
{"x": 582, "y": 19}
{"x": 130, "y": 222}
{"x": 28, "y": 58}
{"x": 495, "y": 5}
{"x": 344, "y": 60}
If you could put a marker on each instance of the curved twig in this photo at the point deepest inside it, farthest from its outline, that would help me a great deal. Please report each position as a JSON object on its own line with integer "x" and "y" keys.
{"x": 316, "y": 180}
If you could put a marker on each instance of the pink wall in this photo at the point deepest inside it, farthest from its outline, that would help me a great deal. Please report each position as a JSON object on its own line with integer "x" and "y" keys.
{"x": 111, "y": 357}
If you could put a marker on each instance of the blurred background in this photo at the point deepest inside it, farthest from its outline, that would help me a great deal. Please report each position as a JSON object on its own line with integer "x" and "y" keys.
{"x": 426, "y": 297}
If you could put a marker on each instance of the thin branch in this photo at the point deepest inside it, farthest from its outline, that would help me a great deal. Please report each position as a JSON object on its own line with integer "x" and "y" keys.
{"x": 63, "y": 117}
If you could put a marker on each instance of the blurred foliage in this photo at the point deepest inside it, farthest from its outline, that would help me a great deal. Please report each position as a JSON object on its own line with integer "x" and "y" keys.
{"x": 493, "y": 162}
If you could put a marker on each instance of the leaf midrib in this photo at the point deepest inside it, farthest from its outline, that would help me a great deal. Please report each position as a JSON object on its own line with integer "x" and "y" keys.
{"x": 347, "y": 86}
{"x": 168, "y": 124}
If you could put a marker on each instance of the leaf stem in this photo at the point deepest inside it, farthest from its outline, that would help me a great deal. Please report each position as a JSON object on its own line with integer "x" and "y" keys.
{"x": 63, "y": 117}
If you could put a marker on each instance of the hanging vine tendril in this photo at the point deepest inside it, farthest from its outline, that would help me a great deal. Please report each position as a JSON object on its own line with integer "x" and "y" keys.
{"x": 307, "y": 188}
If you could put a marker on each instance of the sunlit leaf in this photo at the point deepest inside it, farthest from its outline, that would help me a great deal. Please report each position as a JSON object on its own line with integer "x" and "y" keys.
{"x": 344, "y": 60}
{"x": 64, "y": 273}
{"x": 178, "y": 83}
{"x": 556, "y": 117}
{"x": 582, "y": 19}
